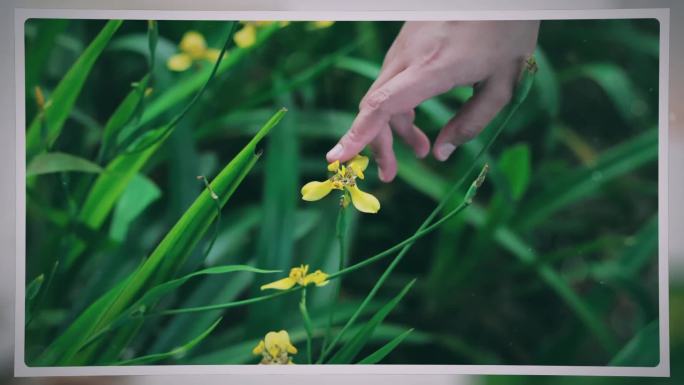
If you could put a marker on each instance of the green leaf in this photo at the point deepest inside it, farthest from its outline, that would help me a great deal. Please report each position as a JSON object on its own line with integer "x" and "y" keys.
{"x": 123, "y": 114}
{"x": 33, "y": 288}
{"x": 642, "y": 350}
{"x": 53, "y": 162}
{"x": 140, "y": 193}
{"x": 515, "y": 164}
{"x": 347, "y": 353}
{"x": 381, "y": 353}
{"x": 62, "y": 100}
{"x": 176, "y": 353}
{"x": 166, "y": 257}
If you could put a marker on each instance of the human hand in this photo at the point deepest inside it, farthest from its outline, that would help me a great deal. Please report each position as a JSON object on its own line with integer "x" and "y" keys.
{"x": 428, "y": 59}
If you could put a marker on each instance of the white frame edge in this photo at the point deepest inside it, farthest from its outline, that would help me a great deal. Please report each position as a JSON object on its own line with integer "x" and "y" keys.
{"x": 661, "y": 370}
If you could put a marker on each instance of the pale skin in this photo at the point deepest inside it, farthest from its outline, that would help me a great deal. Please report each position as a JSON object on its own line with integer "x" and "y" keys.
{"x": 428, "y": 59}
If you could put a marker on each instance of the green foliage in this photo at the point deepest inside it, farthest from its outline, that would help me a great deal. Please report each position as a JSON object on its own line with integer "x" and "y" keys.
{"x": 552, "y": 263}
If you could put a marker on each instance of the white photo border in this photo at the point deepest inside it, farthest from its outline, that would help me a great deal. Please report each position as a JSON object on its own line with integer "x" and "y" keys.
{"x": 660, "y": 14}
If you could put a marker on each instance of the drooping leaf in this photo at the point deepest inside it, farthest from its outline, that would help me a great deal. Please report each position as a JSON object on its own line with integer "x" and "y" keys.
{"x": 381, "y": 353}
{"x": 347, "y": 353}
{"x": 54, "y": 162}
{"x": 178, "y": 352}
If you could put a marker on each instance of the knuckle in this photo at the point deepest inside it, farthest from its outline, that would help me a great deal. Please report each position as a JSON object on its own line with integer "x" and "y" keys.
{"x": 470, "y": 131}
{"x": 375, "y": 101}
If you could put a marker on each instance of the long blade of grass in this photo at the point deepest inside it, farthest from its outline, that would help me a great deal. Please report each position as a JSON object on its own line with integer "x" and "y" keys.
{"x": 642, "y": 350}
{"x": 170, "y": 253}
{"x": 109, "y": 186}
{"x": 58, "y": 107}
{"x": 381, "y": 353}
{"x": 178, "y": 352}
{"x": 347, "y": 353}
{"x": 54, "y": 162}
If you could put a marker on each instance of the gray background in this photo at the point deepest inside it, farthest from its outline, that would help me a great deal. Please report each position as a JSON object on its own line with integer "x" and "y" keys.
{"x": 8, "y": 150}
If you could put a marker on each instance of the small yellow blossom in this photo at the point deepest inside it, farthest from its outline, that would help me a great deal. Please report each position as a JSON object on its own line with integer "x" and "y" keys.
{"x": 299, "y": 276}
{"x": 193, "y": 48}
{"x": 320, "y": 24}
{"x": 247, "y": 35}
{"x": 344, "y": 178}
{"x": 275, "y": 349}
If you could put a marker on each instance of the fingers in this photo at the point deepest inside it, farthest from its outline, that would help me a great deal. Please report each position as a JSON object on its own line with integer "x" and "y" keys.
{"x": 383, "y": 153}
{"x": 476, "y": 113}
{"x": 401, "y": 93}
{"x": 402, "y": 124}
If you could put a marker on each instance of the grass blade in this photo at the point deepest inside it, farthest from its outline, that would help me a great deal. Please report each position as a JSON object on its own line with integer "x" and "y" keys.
{"x": 178, "y": 352}
{"x": 169, "y": 254}
{"x": 347, "y": 353}
{"x": 54, "y": 162}
{"x": 381, "y": 353}
{"x": 642, "y": 350}
{"x": 59, "y": 106}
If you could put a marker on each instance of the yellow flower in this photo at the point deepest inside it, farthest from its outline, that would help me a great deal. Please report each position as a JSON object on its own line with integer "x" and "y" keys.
{"x": 319, "y": 24}
{"x": 247, "y": 35}
{"x": 299, "y": 276}
{"x": 344, "y": 178}
{"x": 275, "y": 349}
{"x": 193, "y": 48}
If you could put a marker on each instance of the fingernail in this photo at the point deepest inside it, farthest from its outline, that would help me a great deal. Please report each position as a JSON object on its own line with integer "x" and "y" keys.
{"x": 382, "y": 175}
{"x": 445, "y": 150}
{"x": 335, "y": 153}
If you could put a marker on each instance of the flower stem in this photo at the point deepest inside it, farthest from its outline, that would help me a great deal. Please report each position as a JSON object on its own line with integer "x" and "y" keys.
{"x": 341, "y": 238}
{"x": 307, "y": 325}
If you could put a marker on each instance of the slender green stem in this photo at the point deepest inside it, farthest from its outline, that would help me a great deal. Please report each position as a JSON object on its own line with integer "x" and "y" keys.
{"x": 341, "y": 238}
{"x": 174, "y": 121}
{"x": 307, "y": 325}
{"x": 225, "y": 305}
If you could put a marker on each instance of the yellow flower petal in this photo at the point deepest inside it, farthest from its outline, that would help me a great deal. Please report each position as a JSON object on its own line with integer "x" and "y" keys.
{"x": 259, "y": 348}
{"x": 245, "y": 37}
{"x": 363, "y": 201}
{"x": 212, "y": 54}
{"x": 334, "y": 166}
{"x": 179, "y": 62}
{"x": 281, "y": 284}
{"x": 322, "y": 23}
{"x": 314, "y": 191}
{"x": 278, "y": 342}
{"x": 193, "y": 44}
{"x": 358, "y": 164}
{"x": 318, "y": 278}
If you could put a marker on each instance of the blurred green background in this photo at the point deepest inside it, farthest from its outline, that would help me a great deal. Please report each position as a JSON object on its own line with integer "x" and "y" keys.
{"x": 555, "y": 264}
